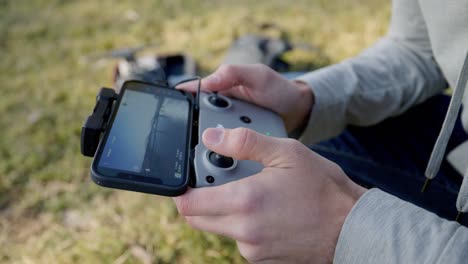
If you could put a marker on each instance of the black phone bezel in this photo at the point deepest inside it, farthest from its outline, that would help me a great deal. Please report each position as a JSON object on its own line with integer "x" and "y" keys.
{"x": 133, "y": 182}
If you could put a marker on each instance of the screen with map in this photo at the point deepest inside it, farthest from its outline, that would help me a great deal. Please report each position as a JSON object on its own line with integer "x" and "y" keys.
{"x": 148, "y": 136}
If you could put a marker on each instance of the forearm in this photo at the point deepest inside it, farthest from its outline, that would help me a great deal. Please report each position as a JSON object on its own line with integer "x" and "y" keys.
{"x": 384, "y": 229}
{"x": 385, "y": 80}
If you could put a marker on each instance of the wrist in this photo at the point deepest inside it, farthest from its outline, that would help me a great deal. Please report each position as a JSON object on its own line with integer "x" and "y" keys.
{"x": 304, "y": 105}
{"x": 344, "y": 200}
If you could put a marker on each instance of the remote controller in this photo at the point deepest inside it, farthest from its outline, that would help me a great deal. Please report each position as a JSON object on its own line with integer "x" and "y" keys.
{"x": 220, "y": 111}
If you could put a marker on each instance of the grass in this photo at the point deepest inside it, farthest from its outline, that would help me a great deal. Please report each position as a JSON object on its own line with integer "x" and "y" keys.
{"x": 50, "y": 212}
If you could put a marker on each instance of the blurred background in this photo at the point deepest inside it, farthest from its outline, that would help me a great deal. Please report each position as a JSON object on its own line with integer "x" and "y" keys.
{"x": 50, "y": 211}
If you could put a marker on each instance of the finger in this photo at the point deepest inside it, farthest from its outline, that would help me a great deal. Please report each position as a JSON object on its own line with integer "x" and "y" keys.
{"x": 246, "y": 144}
{"x": 233, "y": 226}
{"x": 205, "y": 201}
{"x": 190, "y": 87}
{"x": 231, "y": 75}
{"x": 213, "y": 201}
{"x": 221, "y": 225}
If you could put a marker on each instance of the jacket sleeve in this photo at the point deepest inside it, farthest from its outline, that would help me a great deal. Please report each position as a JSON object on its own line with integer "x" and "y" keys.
{"x": 385, "y": 80}
{"x": 384, "y": 229}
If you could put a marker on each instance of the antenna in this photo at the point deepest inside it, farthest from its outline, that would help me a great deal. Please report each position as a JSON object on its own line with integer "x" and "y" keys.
{"x": 197, "y": 96}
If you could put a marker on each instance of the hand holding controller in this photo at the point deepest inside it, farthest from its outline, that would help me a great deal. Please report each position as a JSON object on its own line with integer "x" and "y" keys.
{"x": 220, "y": 111}
{"x": 260, "y": 85}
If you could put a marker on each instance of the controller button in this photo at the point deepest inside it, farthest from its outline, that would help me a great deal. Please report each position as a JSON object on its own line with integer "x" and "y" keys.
{"x": 209, "y": 179}
{"x": 218, "y": 101}
{"x": 220, "y": 160}
{"x": 245, "y": 119}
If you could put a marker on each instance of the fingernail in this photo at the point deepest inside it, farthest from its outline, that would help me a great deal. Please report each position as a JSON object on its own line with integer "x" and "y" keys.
{"x": 213, "y": 136}
{"x": 213, "y": 78}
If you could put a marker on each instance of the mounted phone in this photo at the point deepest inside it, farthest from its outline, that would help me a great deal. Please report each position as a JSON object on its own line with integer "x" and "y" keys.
{"x": 146, "y": 147}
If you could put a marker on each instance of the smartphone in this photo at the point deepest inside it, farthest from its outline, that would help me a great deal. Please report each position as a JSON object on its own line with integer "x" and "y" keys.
{"x": 147, "y": 144}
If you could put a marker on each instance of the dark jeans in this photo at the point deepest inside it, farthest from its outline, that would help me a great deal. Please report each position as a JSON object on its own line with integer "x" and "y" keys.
{"x": 393, "y": 155}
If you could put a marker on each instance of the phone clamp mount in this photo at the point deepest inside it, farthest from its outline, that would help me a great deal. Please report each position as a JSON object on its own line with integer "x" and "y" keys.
{"x": 97, "y": 122}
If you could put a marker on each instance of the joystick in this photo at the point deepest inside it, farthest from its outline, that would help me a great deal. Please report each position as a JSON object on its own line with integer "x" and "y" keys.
{"x": 217, "y": 110}
{"x": 220, "y": 160}
{"x": 218, "y": 101}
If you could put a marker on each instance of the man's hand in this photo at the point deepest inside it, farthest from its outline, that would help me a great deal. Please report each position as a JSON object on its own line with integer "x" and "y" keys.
{"x": 258, "y": 84}
{"x": 290, "y": 212}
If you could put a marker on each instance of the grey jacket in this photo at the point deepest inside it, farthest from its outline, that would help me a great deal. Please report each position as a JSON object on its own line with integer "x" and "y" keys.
{"x": 423, "y": 53}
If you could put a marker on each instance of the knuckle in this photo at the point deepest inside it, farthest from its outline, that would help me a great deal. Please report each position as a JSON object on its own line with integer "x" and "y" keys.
{"x": 250, "y": 201}
{"x": 295, "y": 147}
{"x": 244, "y": 142}
{"x": 226, "y": 69}
{"x": 250, "y": 232}
{"x": 292, "y": 142}
{"x": 251, "y": 253}
{"x": 230, "y": 72}
{"x": 266, "y": 72}
{"x": 261, "y": 66}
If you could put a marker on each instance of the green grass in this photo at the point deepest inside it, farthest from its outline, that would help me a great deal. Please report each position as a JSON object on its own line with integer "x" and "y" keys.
{"x": 50, "y": 211}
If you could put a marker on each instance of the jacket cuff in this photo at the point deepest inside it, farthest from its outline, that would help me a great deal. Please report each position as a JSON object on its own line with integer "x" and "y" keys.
{"x": 382, "y": 228}
{"x": 349, "y": 245}
{"x": 327, "y": 117}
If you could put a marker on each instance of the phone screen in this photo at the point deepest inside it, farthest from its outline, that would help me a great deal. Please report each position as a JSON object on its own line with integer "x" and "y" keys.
{"x": 148, "y": 138}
